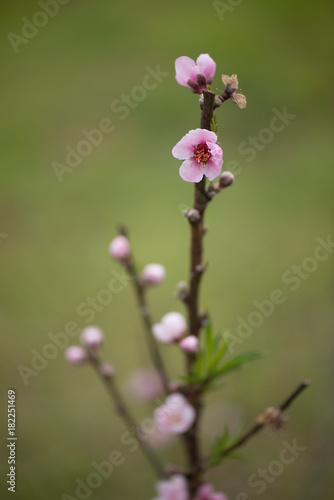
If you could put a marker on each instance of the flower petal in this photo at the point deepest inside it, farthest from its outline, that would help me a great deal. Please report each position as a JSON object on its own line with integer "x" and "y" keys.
{"x": 207, "y": 66}
{"x": 184, "y": 148}
{"x": 189, "y": 172}
{"x": 183, "y": 68}
{"x": 214, "y": 167}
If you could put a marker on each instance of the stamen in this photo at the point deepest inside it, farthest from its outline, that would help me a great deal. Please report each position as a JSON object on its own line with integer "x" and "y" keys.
{"x": 202, "y": 155}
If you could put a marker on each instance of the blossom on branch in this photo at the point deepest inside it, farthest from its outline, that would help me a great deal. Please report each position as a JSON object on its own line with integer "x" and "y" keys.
{"x": 201, "y": 155}
{"x": 153, "y": 274}
{"x": 119, "y": 248}
{"x": 174, "y": 488}
{"x": 205, "y": 492}
{"x": 176, "y": 416}
{"x": 171, "y": 328}
{"x": 195, "y": 75}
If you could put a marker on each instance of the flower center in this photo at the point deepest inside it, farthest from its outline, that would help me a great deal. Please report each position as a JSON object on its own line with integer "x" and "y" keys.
{"x": 201, "y": 155}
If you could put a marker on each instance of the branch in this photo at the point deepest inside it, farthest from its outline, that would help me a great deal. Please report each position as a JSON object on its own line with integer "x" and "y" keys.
{"x": 125, "y": 414}
{"x": 144, "y": 312}
{"x": 260, "y": 423}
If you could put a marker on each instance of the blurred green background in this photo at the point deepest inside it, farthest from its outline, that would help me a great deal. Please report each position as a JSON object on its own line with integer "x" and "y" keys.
{"x": 55, "y": 255}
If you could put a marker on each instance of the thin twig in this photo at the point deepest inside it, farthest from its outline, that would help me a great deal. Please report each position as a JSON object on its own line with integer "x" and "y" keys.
{"x": 125, "y": 414}
{"x": 190, "y": 438}
{"x": 144, "y": 312}
{"x": 259, "y": 425}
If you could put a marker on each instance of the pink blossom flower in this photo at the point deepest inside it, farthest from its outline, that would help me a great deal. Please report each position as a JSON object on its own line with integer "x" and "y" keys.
{"x": 170, "y": 329}
{"x": 176, "y": 416}
{"x": 145, "y": 384}
{"x": 75, "y": 355}
{"x": 189, "y": 344}
{"x": 153, "y": 274}
{"x": 119, "y": 248}
{"x": 197, "y": 75}
{"x": 92, "y": 337}
{"x": 174, "y": 488}
{"x": 205, "y": 492}
{"x": 201, "y": 155}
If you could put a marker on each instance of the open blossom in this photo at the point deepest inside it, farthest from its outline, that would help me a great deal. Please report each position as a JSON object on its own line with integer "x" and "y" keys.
{"x": 174, "y": 488}
{"x": 171, "y": 328}
{"x": 75, "y": 355}
{"x": 153, "y": 274}
{"x": 189, "y": 344}
{"x": 92, "y": 337}
{"x": 120, "y": 248}
{"x": 201, "y": 155}
{"x": 145, "y": 384}
{"x": 176, "y": 416}
{"x": 205, "y": 492}
{"x": 195, "y": 75}
{"x": 232, "y": 85}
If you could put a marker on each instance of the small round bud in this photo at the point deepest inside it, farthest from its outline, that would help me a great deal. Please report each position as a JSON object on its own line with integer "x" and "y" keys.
{"x": 106, "y": 369}
{"x": 75, "y": 355}
{"x": 182, "y": 291}
{"x": 193, "y": 215}
{"x": 226, "y": 179}
{"x": 119, "y": 248}
{"x": 92, "y": 337}
{"x": 153, "y": 274}
{"x": 189, "y": 344}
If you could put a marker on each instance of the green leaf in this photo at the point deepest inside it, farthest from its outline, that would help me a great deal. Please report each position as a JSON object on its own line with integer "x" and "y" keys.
{"x": 237, "y": 361}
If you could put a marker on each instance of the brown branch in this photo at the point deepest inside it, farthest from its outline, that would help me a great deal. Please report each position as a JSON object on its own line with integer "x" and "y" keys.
{"x": 259, "y": 425}
{"x": 144, "y": 312}
{"x": 125, "y": 414}
{"x": 197, "y": 268}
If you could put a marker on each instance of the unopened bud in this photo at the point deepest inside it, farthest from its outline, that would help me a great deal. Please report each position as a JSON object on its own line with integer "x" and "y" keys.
{"x": 226, "y": 179}
{"x": 272, "y": 417}
{"x": 189, "y": 344}
{"x": 106, "y": 369}
{"x": 92, "y": 337}
{"x": 153, "y": 274}
{"x": 119, "y": 248}
{"x": 182, "y": 290}
{"x": 75, "y": 355}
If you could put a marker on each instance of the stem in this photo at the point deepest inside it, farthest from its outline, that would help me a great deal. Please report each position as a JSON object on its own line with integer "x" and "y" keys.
{"x": 197, "y": 268}
{"x": 125, "y": 414}
{"x": 144, "y": 312}
{"x": 258, "y": 426}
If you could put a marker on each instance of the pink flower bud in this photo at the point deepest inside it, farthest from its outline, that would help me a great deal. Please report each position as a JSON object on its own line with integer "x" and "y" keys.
{"x": 145, "y": 384}
{"x": 119, "y": 248}
{"x": 170, "y": 329}
{"x": 153, "y": 274}
{"x": 92, "y": 337}
{"x": 226, "y": 179}
{"x": 176, "y": 416}
{"x": 75, "y": 355}
{"x": 205, "y": 492}
{"x": 189, "y": 344}
{"x": 174, "y": 488}
{"x": 197, "y": 75}
{"x": 106, "y": 369}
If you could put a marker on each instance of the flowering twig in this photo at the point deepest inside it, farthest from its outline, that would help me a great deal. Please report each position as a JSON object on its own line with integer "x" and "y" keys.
{"x": 261, "y": 421}
{"x": 145, "y": 315}
{"x": 125, "y": 414}
{"x": 196, "y": 270}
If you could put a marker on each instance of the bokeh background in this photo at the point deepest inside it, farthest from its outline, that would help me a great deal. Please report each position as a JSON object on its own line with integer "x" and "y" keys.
{"x": 55, "y": 235}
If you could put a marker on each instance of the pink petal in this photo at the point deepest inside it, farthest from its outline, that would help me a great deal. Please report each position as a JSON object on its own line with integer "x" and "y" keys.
{"x": 183, "y": 67}
{"x": 201, "y": 135}
{"x": 213, "y": 168}
{"x": 207, "y": 66}
{"x": 184, "y": 148}
{"x": 189, "y": 172}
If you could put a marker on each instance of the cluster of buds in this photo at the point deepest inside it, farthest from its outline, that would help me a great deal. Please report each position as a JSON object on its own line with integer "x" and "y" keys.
{"x": 91, "y": 341}
{"x": 272, "y": 417}
{"x": 176, "y": 488}
{"x": 172, "y": 330}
